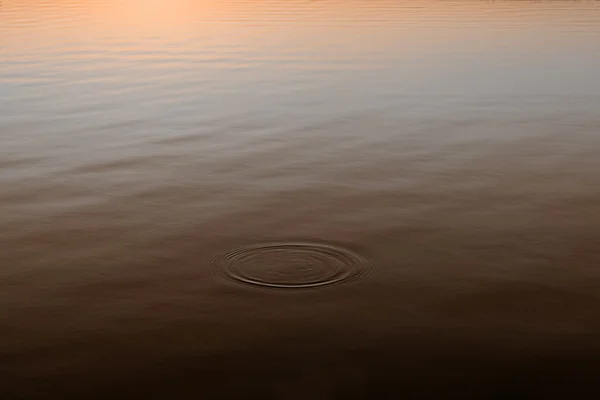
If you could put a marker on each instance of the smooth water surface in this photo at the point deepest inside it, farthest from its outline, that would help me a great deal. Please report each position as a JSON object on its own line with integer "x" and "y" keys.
{"x": 299, "y": 199}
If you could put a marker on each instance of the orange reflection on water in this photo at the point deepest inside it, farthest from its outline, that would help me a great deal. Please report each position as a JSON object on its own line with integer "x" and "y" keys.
{"x": 316, "y": 27}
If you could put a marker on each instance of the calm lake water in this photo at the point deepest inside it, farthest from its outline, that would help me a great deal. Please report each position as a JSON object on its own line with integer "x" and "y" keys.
{"x": 299, "y": 199}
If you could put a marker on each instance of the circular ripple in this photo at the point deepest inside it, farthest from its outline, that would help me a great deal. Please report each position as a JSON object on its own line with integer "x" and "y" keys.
{"x": 290, "y": 265}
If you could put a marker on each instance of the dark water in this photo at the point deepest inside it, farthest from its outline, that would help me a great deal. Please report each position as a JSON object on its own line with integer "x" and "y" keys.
{"x": 299, "y": 199}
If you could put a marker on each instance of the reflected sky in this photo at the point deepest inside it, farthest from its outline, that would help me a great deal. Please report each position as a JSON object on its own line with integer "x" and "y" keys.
{"x": 310, "y": 53}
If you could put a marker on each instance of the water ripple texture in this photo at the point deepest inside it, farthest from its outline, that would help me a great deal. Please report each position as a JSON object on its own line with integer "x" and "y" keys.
{"x": 292, "y": 265}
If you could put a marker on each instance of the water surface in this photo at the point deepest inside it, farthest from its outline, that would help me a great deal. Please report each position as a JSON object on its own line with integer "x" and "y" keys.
{"x": 178, "y": 179}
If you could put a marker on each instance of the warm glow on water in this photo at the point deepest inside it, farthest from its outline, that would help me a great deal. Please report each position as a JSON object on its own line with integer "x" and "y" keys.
{"x": 293, "y": 199}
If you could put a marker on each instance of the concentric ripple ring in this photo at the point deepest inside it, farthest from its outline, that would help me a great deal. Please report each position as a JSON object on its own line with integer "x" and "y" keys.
{"x": 290, "y": 265}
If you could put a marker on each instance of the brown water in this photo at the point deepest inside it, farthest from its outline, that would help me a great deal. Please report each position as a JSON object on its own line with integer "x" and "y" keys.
{"x": 299, "y": 199}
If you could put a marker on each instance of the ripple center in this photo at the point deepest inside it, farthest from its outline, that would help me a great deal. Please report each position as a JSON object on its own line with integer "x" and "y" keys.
{"x": 290, "y": 265}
